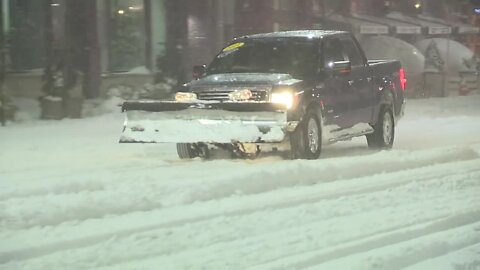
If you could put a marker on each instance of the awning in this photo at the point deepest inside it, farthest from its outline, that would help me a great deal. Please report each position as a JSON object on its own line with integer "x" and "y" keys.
{"x": 358, "y": 25}
{"x": 433, "y": 28}
{"x": 399, "y": 27}
{"x": 460, "y": 28}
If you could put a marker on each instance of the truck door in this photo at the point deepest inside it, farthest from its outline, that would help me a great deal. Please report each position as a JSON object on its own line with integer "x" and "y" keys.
{"x": 336, "y": 89}
{"x": 360, "y": 82}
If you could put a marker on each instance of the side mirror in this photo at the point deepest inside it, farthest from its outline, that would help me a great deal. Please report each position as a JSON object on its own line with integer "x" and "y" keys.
{"x": 199, "y": 71}
{"x": 340, "y": 67}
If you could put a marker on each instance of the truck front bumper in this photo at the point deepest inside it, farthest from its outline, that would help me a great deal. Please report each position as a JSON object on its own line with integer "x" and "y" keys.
{"x": 172, "y": 122}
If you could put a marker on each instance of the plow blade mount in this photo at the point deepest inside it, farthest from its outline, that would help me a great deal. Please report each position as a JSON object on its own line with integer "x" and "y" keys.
{"x": 173, "y": 122}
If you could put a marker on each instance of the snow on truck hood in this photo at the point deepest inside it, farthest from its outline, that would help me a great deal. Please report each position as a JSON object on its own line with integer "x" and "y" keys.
{"x": 245, "y": 78}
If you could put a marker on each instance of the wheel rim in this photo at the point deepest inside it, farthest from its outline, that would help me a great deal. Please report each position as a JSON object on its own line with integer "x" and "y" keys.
{"x": 313, "y": 135}
{"x": 387, "y": 128}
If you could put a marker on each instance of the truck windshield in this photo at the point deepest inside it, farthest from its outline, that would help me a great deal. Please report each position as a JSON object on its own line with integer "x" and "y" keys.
{"x": 294, "y": 57}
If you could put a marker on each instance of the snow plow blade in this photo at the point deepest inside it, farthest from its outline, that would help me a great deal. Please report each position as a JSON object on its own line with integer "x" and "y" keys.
{"x": 173, "y": 122}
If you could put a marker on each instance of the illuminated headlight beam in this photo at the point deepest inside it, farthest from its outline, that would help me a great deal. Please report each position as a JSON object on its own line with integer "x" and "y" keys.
{"x": 286, "y": 98}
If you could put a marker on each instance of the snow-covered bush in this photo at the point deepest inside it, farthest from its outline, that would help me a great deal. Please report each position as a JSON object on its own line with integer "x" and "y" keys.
{"x": 160, "y": 90}
{"x": 117, "y": 94}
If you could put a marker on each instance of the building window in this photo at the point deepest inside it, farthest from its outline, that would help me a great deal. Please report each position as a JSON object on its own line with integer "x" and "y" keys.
{"x": 26, "y": 34}
{"x": 128, "y": 35}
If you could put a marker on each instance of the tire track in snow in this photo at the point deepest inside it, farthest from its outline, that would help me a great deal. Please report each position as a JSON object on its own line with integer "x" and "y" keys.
{"x": 225, "y": 255}
{"x": 335, "y": 257}
{"x": 467, "y": 258}
{"x": 349, "y": 167}
{"x": 183, "y": 239}
{"x": 71, "y": 182}
{"x": 305, "y": 173}
{"x": 430, "y": 174}
{"x": 152, "y": 194}
{"x": 68, "y": 182}
{"x": 316, "y": 193}
{"x": 406, "y": 253}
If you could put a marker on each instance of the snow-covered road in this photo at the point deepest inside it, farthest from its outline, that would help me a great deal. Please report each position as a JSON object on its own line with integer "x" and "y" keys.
{"x": 72, "y": 198}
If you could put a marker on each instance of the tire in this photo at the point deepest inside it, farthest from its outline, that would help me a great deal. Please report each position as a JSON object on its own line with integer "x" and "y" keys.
{"x": 306, "y": 140}
{"x": 384, "y": 130}
{"x": 186, "y": 151}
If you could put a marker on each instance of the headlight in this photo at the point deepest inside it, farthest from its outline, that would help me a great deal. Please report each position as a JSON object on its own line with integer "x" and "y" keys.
{"x": 185, "y": 97}
{"x": 286, "y": 98}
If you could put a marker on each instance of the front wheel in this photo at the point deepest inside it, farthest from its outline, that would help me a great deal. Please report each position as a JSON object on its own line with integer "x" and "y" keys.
{"x": 384, "y": 131}
{"x": 306, "y": 140}
{"x": 186, "y": 151}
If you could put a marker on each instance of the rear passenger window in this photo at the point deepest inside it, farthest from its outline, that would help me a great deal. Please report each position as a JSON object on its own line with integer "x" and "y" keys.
{"x": 351, "y": 49}
{"x": 332, "y": 52}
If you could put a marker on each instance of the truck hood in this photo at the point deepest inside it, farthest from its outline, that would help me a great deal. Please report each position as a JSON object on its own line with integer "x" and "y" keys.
{"x": 244, "y": 79}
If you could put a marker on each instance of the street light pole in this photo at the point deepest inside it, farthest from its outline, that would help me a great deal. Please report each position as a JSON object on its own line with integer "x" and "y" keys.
{"x": 2, "y": 63}
{"x": 445, "y": 87}
{"x": 5, "y": 15}
{"x": 447, "y": 57}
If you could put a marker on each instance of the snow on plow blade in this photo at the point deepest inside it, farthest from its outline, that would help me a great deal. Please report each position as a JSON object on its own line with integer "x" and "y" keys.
{"x": 172, "y": 122}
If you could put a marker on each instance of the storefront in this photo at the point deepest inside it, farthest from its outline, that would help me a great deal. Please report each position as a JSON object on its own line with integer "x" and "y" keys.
{"x": 130, "y": 34}
{"x": 94, "y": 37}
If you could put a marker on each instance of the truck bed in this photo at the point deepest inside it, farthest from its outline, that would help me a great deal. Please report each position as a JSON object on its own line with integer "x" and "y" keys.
{"x": 389, "y": 69}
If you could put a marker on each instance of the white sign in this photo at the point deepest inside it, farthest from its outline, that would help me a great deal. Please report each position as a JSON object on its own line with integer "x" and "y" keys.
{"x": 468, "y": 30}
{"x": 409, "y": 30}
{"x": 439, "y": 30}
{"x": 373, "y": 29}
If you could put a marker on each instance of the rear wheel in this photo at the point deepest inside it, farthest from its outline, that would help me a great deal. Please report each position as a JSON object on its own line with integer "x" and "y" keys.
{"x": 306, "y": 140}
{"x": 384, "y": 130}
{"x": 186, "y": 151}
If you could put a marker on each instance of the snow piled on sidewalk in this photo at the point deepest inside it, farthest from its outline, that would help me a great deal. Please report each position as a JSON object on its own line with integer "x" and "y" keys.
{"x": 72, "y": 198}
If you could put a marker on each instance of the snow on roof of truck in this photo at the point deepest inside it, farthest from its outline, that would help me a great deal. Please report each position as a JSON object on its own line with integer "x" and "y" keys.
{"x": 298, "y": 34}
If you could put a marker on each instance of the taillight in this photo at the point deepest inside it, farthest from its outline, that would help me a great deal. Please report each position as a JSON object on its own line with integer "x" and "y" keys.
{"x": 403, "y": 79}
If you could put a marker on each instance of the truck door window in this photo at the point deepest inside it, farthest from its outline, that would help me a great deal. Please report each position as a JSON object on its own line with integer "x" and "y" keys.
{"x": 352, "y": 51}
{"x": 332, "y": 52}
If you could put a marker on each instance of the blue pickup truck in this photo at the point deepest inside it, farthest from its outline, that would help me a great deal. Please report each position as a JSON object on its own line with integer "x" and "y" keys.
{"x": 294, "y": 90}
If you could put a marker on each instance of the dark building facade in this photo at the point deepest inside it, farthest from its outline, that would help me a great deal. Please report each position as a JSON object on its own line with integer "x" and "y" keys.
{"x": 128, "y": 36}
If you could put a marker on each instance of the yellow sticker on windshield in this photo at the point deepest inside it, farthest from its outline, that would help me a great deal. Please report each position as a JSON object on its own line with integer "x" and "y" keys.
{"x": 234, "y": 46}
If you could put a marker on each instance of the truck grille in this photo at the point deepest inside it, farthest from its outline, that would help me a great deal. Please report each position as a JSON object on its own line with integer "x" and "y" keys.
{"x": 221, "y": 94}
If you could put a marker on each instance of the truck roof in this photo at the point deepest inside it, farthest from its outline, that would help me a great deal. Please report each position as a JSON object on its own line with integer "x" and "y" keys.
{"x": 297, "y": 34}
